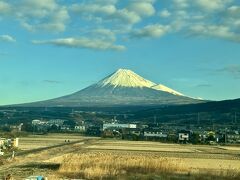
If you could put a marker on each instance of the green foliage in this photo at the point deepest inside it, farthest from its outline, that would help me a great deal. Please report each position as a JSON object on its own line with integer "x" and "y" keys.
{"x": 27, "y": 127}
{"x": 194, "y": 138}
{"x": 5, "y": 129}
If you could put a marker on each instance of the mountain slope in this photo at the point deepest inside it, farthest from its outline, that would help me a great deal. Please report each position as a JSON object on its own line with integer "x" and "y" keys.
{"x": 124, "y": 87}
{"x": 217, "y": 112}
{"x": 161, "y": 87}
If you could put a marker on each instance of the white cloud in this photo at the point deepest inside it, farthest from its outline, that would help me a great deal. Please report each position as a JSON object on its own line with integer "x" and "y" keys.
{"x": 164, "y": 13}
{"x": 102, "y": 33}
{"x": 83, "y": 42}
{"x": 233, "y": 70}
{"x": 126, "y": 16}
{"x": 181, "y": 3}
{"x": 98, "y": 9}
{"x": 151, "y": 31}
{"x": 107, "y": 21}
{"x": 106, "y": 13}
{"x": 37, "y": 9}
{"x": 103, "y": 1}
{"x": 205, "y": 18}
{"x": 234, "y": 10}
{"x": 96, "y": 39}
{"x": 4, "y": 7}
{"x": 7, "y": 38}
{"x": 208, "y": 5}
{"x": 142, "y": 8}
{"x": 232, "y": 17}
{"x": 217, "y": 31}
{"x": 211, "y": 5}
{"x": 41, "y": 15}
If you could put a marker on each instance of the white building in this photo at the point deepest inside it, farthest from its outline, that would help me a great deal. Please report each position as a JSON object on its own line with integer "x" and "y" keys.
{"x": 118, "y": 126}
{"x": 58, "y": 122}
{"x": 37, "y": 122}
{"x": 16, "y": 142}
{"x": 9, "y": 142}
{"x": 2, "y": 140}
{"x": 150, "y": 133}
{"x": 183, "y": 136}
{"x": 80, "y": 128}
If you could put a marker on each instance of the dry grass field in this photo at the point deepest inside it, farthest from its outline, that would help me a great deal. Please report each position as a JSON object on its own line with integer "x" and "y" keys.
{"x": 93, "y": 165}
{"x": 94, "y": 158}
{"x": 39, "y": 141}
{"x": 120, "y": 165}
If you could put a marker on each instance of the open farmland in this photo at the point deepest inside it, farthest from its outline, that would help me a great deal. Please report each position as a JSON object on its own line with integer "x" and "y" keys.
{"x": 40, "y": 141}
{"x": 94, "y": 158}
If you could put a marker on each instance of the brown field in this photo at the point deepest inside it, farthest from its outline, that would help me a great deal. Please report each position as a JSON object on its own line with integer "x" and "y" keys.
{"x": 39, "y": 141}
{"x": 94, "y": 158}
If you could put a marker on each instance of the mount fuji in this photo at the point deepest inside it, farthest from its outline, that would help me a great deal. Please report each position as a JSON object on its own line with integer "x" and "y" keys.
{"x": 122, "y": 88}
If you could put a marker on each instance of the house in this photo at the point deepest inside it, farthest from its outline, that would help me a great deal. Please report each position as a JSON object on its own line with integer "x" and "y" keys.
{"x": 4, "y": 143}
{"x": 80, "y": 128}
{"x": 183, "y": 136}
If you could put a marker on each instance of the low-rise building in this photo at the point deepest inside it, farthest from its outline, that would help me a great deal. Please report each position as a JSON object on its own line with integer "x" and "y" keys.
{"x": 118, "y": 126}
{"x": 58, "y": 122}
{"x": 5, "y": 142}
{"x": 233, "y": 137}
{"x": 154, "y": 133}
{"x": 36, "y": 122}
{"x": 65, "y": 128}
{"x": 80, "y": 128}
{"x": 183, "y": 136}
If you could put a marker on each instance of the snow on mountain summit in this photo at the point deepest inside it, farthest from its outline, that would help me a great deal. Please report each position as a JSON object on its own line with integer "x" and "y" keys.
{"x": 128, "y": 78}
{"x": 161, "y": 87}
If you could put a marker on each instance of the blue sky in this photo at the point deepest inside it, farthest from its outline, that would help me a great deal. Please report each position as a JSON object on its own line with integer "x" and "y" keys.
{"x": 51, "y": 48}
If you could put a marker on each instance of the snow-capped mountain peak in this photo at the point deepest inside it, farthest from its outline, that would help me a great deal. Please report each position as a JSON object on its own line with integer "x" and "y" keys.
{"x": 161, "y": 87}
{"x": 126, "y": 78}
